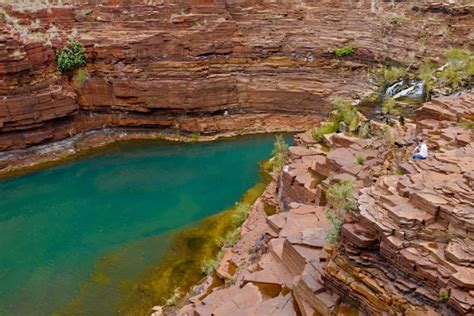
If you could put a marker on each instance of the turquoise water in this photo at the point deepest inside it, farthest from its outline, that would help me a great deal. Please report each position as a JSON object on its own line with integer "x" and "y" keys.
{"x": 58, "y": 225}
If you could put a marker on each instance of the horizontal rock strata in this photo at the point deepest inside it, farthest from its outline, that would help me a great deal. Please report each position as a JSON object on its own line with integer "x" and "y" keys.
{"x": 412, "y": 235}
{"x": 406, "y": 250}
{"x": 179, "y": 59}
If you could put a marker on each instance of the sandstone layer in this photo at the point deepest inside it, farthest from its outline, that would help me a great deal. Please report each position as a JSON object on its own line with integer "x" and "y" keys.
{"x": 182, "y": 65}
{"x": 409, "y": 240}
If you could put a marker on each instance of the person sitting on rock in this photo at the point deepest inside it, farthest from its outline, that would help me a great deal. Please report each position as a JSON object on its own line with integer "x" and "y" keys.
{"x": 421, "y": 151}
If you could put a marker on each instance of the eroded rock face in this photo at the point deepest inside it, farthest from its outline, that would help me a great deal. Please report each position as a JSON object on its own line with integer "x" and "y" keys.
{"x": 167, "y": 64}
{"x": 412, "y": 236}
{"x": 406, "y": 250}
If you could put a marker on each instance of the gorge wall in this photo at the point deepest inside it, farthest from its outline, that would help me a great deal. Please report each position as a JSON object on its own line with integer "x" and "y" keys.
{"x": 405, "y": 249}
{"x": 182, "y": 65}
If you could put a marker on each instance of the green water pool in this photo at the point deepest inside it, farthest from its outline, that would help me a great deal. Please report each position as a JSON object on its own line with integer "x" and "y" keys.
{"x": 78, "y": 238}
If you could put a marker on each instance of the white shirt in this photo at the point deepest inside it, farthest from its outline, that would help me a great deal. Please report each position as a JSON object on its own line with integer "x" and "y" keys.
{"x": 423, "y": 150}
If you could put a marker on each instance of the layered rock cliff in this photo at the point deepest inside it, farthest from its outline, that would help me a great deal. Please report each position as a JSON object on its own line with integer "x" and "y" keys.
{"x": 405, "y": 250}
{"x": 221, "y": 66}
{"x": 182, "y": 65}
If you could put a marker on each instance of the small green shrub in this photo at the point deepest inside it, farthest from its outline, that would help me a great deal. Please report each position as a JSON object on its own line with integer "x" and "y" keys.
{"x": 230, "y": 281}
{"x": 426, "y": 73}
{"x": 171, "y": 301}
{"x": 232, "y": 237}
{"x": 209, "y": 265}
{"x": 241, "y": 212}
{"x": 387, "y": 135}
{"x": 392, "y": 74}
{"x": 398, "y": 172}
{"x": 345, "y": 112}
{"x": 458, "y": 55}
{"x": 359, "y": 160}
{"x": 250, "y": 249}
{"x": 389, "y": 107}
{"x": 364, "y": 130}
{"x": 333, "y": 233}
{"x": 467, "y": 125}
{"x": 325, "y": 128}
{"x": 269, "y": 18}
{"x": 341, "y": 198}
{"x": 280, "y": 150}
{"x": 195, "y": 136}
{"x": 343, "y": 51}
{"x": 443, "y": 296}
{"x": 459, "y": 69}
{"x": 71, "y": 57}
{"x": 80, "y": 77}
{"x": 450, "y": 77}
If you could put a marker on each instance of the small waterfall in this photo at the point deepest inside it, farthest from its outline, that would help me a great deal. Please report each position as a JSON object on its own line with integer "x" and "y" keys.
{"x": 393, "y": 88}
{"x": 408, "y": 93}
{"x": 415, "y": 90}
{"x": 405, "y": 89}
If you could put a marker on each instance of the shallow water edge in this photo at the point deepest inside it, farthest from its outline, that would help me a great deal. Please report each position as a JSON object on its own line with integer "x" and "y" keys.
{"x": 20, "y": 162}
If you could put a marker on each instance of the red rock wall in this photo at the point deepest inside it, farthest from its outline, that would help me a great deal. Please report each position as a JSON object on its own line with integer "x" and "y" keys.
{"x": 200, "y": 58}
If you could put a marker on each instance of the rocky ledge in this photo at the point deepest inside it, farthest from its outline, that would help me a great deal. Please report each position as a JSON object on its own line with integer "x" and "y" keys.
{"x": 407, "y": 249}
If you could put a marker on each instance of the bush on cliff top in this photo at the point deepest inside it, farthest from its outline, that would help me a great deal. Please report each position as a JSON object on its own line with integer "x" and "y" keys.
{"x": 71, "y": 57}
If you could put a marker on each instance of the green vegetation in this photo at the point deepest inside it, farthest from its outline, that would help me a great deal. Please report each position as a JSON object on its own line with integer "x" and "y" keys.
{"x": 280, "y": 150}
{"x": 343, "y": 51}
{"x": 269, "y": 17}
{"x": 71, "y": 57}
{"x": 344, "y": 112}
{"x": 195, "y": 136}
{"x": 232, "y": 238}
{"x": 341, "y": 198}
{"x": 469, "y": 125}
{"x": 392, "y": 74}
{"x": 80, "y": 77}
{"x": 359, "y": 160}
{"x": 209, "y": 265}
{"x": 364, "y": 130}
{"x": 459, "y": 68}
{"x": 389, "y": 107}
{"x": 398, "y": 172}
{"x": 387, "y": 135}
{"x": 426, "y": 73}
{"x": 457, "y": 72}
{"x": 443, "y": 296}
{"x": 325, "y": 128}
{"x": 230, "y": 281}
{"x": 450, "y": 77}
{"x": 249, "y": 249}
{"x": 172, "y": 300}
{"x": 240, "y": 214}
